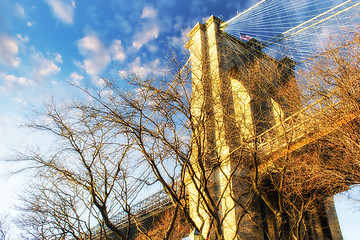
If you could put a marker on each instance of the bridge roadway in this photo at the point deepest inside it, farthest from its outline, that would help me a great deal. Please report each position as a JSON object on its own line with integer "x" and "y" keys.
{"x": 150, "y": 206}
{"x": 307, "y": 125}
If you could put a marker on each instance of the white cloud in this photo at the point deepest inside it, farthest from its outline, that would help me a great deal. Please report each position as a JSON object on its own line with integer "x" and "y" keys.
{"x": 8, "y": 51}
{"x": 180, "y": 41}
{"x": 58, "y": 58}
{"x": 117, "y": 51}
{"x": 97, "y": 57}
{"x": 47, "y": 68}
{"x": 44, "y": 67}
{"x": 204, "y": 19}
{"x": 100, "y": 82}
{"x": 149, "y": 12}
{"x": 29, "y": 24}
{"x": 148, "y": 33}
{"x": 123, "y": 73}
{"x": 64, "y": 11}
{"x": 90, "y": 43}
{"x": 143, "y": 70}
{"x": 23, "y": 38}
{"x": 75, "y": 78}
{"x": 21, "y": 101}
{"x": 11, "y": 80}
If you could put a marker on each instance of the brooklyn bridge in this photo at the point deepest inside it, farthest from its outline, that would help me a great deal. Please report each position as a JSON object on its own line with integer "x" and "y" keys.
{"x": 250, "y": 122}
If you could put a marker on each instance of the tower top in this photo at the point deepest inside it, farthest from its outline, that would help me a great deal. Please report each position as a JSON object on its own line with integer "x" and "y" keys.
{"x": 203, "y": 26}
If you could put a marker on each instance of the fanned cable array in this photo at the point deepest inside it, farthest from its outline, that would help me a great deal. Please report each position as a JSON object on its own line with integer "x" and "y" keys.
{"x": 298, "y": 29}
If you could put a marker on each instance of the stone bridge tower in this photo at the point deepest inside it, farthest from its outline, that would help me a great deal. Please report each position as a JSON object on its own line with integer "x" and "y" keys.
{"x": 238, "y": 93}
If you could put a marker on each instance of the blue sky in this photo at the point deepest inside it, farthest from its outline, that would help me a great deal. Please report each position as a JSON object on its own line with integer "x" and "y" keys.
{"x": 46, "y": 43}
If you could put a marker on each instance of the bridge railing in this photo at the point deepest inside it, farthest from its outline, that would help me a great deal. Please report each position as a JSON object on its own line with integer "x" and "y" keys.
{"x": 150, "y": 204}
{"x": 147, "y": 206}
{"x": 301, "y": 124}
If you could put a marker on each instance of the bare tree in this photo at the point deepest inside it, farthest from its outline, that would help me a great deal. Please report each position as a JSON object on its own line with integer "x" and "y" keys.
{"x": 83, "y": 181}
{"x": 4, "y": 228}
{"x": 173, "y": 130}
{"x": 53, "y": 210}
{"x": 160, "y": 227}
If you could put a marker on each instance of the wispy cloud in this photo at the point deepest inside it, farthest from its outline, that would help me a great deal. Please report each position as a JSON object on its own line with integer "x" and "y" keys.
{"x": 58, "y": 58}
{"x": 96, "y": 55}
{"x": 75, "y": 78}
{"x": 44, "y": 67}
{"x": 23, "y": 38}
{"x": 21, "y": 101}
{"x": 19, "y": 11}
{"x": 149, "y": 12}
{"x": 180, "y": 41}
{"x": 117, "y": 51}
{"x": 148, "y": 33}
{"x": 9, "y": 51}
{"x": 11, "y": 80}
{"x": 142, "y": 70}
{"x": 204, "y": 19}
{"x": 62, "y": 10}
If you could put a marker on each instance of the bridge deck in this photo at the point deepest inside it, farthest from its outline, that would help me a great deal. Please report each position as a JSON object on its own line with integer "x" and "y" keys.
{"x": 150, "y": 205}
{"x": 308, "y": 125}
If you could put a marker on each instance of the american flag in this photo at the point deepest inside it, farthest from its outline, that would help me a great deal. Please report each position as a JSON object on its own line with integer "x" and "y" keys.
{"x": 245, "y": 37}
